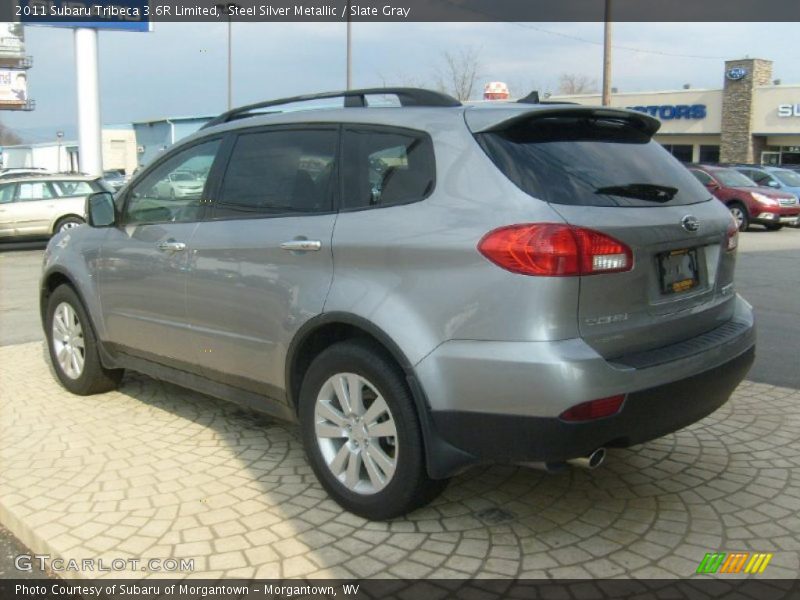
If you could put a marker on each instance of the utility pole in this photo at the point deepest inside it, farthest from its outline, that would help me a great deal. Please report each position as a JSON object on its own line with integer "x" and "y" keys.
{"x": 349, "y": 69}
{"x": 607, "y": 55}
{"x": 230, "y": 61}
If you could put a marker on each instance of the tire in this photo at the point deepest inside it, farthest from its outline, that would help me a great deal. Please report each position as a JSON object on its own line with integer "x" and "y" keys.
{"x": 377, "y": 492}
{"x": 66, "y": 322}
{"x": 67, "y": 223}
{"x": 773, "y": 227}
{"x": 739, "y": 212}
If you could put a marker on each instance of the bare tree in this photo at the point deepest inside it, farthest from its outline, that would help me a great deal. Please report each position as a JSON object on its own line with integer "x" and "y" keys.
{"x": 571, "y": 83}
{"x": 458, "y": 73}
{"x": 8, "y": 137}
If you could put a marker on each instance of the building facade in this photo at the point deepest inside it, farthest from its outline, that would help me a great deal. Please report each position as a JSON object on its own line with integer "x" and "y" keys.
{"x": 751, "y": 119}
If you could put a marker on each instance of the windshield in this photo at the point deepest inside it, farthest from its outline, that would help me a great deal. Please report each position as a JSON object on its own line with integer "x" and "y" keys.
{"x": 590, "y": 161}
{"x": 787, "y": 177}
{"x": 731, "y": 178}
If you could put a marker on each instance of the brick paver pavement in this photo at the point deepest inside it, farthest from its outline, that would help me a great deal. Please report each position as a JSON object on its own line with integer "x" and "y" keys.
{"x": 156, "y": 471}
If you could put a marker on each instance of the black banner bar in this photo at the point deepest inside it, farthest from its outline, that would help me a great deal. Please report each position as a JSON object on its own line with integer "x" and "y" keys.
{"x": 128, "y": 11}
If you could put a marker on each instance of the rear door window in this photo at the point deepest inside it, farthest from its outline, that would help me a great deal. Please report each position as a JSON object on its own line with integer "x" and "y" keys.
{"x": 590, "y": 161}
{"x": 277, "y": 172}
{"x": 38, "y": 190}
{"x": 385, "y": 167}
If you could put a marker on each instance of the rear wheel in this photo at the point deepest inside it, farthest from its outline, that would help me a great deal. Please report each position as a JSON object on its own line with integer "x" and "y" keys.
{"x": 73, "y": 346}
{"x": 362, "y": 434}
{"x": 739, "y": 212}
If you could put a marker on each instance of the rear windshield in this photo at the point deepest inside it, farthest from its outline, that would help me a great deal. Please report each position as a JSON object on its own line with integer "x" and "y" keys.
{"x": 590, "y": 161}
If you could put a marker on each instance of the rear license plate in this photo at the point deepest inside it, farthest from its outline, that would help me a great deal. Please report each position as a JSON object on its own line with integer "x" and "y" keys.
{"x": 678, "y": 270}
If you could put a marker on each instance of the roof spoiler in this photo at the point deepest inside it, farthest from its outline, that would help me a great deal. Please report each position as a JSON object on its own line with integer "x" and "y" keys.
{"x": 484, "y": 121}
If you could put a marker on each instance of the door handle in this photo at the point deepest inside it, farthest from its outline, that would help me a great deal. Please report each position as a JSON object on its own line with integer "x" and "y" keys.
{"x": 302, "y": 246}
{"x": 171, "y": 246}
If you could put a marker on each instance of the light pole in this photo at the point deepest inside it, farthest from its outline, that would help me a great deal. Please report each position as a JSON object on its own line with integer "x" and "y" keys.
{"x": 607, "y": 55}
{"x": 59, "y": 136}
{"x": 225, "y": 8}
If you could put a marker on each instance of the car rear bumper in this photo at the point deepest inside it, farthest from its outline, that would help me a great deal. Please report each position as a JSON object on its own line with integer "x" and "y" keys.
{"x": 645, "y": 415}
{"x": 500, "y": 401}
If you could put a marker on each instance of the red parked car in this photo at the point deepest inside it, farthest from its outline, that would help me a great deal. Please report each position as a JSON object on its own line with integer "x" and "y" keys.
{"x": 748, "y": 202}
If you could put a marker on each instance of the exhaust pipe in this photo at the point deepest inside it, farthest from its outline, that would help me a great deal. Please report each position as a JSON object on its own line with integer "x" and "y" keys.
{"x": 594, "y": 460}
{"x": 547, "y": 467}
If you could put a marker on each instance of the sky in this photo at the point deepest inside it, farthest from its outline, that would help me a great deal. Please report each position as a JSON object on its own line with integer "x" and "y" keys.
{"x": 179, "y": 69}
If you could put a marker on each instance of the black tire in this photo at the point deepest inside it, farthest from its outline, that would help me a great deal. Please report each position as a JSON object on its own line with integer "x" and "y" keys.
{"x": 93, "y": 378}
{"x": 67, "y": 222}
{"x": 739, "y": 212}
{"x": 409, "y": 487}
{"x": 773, "y": 227}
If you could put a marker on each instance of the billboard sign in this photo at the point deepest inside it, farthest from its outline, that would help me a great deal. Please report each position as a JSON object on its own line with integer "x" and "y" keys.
{"x": 12, "y": 41}
{"x": 13, "y": 88}
{"x": 122, "y": 15}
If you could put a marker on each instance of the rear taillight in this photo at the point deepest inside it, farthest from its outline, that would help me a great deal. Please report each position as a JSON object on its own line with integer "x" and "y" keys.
{"x": 594, "y": 409}
{"x": 555, "y": 250}
{"x": 732, "y": 236}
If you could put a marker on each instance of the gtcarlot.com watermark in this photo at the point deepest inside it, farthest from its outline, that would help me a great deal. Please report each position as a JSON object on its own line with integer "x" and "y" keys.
{"x": 27, "y": 562}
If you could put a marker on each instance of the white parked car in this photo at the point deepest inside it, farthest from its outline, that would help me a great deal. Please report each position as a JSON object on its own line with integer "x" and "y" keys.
{"x": 41, "y": 205}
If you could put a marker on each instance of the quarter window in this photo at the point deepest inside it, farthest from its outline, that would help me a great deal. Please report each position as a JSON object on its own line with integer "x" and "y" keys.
{"x": 279, "y": 172}
{"x": 72, "y": 188}
{"x": 386, "y": 167}
{"x": 173, "y": 191}
{"x": 702, "y": 177}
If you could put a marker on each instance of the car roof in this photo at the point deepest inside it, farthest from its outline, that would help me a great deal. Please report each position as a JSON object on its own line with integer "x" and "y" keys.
{"x": 47, "y": 177}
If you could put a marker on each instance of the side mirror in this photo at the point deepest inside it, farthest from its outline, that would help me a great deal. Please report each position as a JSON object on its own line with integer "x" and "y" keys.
{"x": 100, "y": 209}
{"x": 712, "y": 185}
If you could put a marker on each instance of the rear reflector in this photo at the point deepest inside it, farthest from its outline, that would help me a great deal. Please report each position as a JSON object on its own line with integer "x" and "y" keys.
{"x": 555, "y": 250}
{"x": 594, "y": 409}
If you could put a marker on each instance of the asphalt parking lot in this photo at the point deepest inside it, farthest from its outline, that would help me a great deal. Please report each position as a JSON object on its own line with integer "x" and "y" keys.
{"x": 155, "y": 471}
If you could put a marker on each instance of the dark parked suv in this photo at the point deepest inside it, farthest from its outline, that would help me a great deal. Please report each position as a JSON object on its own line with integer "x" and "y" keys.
{"x": 748, "y": 201}
{"x": 422, "y": 287}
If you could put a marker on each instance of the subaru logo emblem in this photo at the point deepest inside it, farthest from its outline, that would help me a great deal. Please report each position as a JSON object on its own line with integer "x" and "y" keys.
{"x": 690, "y": 223}
{"x": 736, "y": 73}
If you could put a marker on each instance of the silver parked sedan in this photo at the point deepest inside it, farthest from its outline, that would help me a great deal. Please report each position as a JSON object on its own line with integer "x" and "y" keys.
{"x": 422, "y": 287}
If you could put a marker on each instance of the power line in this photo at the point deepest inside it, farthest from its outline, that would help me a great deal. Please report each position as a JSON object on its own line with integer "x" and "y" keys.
{"x": 625, "y": 48}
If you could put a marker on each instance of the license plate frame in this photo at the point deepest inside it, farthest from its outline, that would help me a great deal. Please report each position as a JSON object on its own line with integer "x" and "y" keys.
{"x": 678, "y": 271}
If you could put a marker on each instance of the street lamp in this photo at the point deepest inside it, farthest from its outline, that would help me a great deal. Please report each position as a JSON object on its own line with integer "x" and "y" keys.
{"x": 349, "y": 68}
{"x": 59, "y": 137}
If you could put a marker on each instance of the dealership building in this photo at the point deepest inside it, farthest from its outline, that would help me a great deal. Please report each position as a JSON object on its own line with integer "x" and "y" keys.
{"x": 752, "y": 118}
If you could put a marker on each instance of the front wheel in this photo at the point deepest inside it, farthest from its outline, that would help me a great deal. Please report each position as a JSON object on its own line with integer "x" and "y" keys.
{"x": 73, "y": 346}
{"x": 739, "y": 213}
{"x": 362, "y": 434}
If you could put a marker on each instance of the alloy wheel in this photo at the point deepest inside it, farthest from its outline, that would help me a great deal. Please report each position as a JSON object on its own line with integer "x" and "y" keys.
{"x": 68, "y": 341}
{"x": 356, "y": 433}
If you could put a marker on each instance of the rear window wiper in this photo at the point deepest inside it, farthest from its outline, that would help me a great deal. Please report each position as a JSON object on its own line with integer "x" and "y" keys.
{"x": 643, "y": 191}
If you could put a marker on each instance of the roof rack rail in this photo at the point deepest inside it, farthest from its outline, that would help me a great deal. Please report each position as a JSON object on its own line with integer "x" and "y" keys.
{"x": 352, "y": 99}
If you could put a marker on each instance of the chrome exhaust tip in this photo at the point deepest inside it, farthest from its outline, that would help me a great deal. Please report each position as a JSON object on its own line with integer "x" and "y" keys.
{"x": 594, "y": 460}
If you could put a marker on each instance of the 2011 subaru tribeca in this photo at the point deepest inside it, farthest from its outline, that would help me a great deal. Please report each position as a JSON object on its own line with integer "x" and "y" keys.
{"x": 422, "y": 287}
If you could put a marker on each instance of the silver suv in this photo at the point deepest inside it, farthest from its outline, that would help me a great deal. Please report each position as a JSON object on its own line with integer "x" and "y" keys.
{"x": 422, "y": 287}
